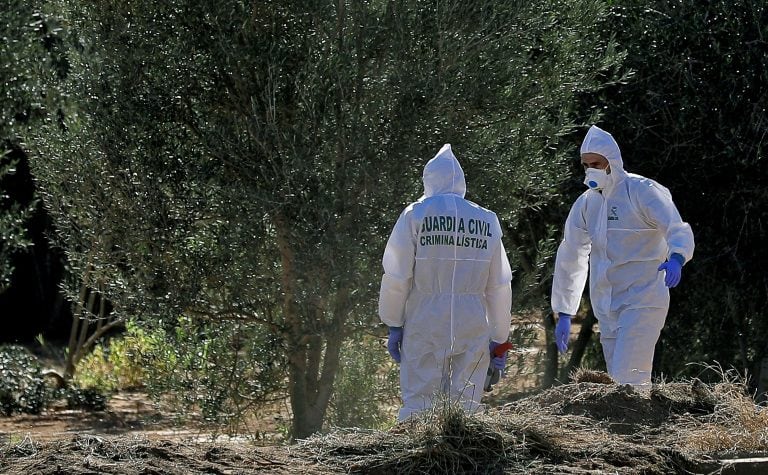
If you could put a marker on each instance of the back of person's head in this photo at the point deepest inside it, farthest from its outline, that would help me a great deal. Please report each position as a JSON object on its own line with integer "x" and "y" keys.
{"x": 443, "y": 174}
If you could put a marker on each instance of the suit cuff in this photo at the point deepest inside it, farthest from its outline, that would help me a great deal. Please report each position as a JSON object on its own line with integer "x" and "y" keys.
{"x": 678, "y": 257}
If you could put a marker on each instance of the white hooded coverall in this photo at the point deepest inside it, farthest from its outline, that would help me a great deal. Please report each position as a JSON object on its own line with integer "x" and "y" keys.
{"x": 621, "y": 235}
{"x": 447, "y": 283}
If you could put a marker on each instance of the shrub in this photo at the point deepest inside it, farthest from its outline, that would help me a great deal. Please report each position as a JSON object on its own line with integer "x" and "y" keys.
{"x": 22, "y": 387}
{"x": 121, "y": 363}
{"x": 85, "y": 398}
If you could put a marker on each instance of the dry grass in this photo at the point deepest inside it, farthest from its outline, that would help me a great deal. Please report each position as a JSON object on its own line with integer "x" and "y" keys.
{"x": 442, "y": 440}
{"x": 592, "y": 426}
{"x": 735, "y": 424}
{"x": 584, "y": 375}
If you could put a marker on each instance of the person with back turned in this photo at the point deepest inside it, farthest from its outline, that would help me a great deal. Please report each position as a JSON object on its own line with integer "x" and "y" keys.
{"x": 445, "y": 293}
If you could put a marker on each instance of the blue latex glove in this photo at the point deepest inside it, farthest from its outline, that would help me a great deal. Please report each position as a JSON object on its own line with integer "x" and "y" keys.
{"x": 562, "y": 331}
{"x": 498, "y": 362}
{"x": 673, "y": 270}
{"x": 394, "y": 342}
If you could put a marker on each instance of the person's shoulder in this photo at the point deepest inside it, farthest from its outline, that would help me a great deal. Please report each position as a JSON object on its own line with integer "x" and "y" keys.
{"x": 412, "y": 208}
{"x": 641, "y": 185}
{"x": 633, "y": 179}
{"x": 480, "y": 209}
{"x": 584, "y": 196}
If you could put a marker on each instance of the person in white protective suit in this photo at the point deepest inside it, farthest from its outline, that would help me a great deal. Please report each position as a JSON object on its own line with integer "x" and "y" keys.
{"x": 626, "y": 232}
{"x": 445, "y": 293}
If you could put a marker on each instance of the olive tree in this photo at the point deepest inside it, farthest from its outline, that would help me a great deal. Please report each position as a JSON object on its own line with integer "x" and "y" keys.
{"x": 242, "y": 162}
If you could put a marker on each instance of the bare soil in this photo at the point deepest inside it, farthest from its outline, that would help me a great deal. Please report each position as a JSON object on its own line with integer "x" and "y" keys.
{"x": 133, "y": 437}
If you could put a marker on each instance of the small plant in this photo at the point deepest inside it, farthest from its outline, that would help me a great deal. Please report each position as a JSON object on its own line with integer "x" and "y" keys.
{"x": 22, "y": 387}
{"x": 90, "y": 399}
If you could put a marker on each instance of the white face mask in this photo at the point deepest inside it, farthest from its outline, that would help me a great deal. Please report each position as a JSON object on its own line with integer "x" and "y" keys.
{"x": 596, "y": 178}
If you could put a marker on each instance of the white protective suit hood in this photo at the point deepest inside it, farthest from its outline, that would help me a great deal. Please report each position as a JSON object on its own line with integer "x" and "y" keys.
{"x": 443, "y": 174}
{"x": 602, "y": 143}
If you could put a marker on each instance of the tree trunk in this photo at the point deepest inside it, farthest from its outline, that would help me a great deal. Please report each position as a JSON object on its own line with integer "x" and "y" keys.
{"x": 313, "y": 353}
{"x": 318, "y": 388}
{"x": 74, "y": 331}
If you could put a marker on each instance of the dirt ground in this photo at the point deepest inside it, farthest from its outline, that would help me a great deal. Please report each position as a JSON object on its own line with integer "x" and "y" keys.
{"x": 580, "y": 428}
{"x": 132, "y": 437}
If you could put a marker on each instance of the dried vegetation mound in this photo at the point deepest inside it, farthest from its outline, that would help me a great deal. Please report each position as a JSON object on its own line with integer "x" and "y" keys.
{"x": 591, "y": 426}
{"x": 579, "y": 428}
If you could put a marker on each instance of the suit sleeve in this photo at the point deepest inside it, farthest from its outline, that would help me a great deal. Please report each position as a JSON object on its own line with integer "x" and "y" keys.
{"x": 661, "y": 212}
{"x": 572, "y": 262}
{"x": 498, "y": 294}
{"x": 398, "y": 261}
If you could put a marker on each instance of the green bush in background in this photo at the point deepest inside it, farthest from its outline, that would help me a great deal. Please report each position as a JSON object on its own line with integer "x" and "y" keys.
{"x": 22, "y": 388}
{"x": 121, "y": 363}
{"x": 219, "y": 372}
{"x": 367, "y": 386}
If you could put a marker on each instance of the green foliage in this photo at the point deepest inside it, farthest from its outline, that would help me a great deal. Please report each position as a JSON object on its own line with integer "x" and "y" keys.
{"x": 593, "y": 355}
{"x": 26, "y": 41}
{"x": 22, "y": 388}
{"x": 366, "y": 387}
{"x": 521, "y": 158}
{"x": 90, "y": 399}
{"x": 13, "y": 217}
{"x": 224, "y": 371}
{"x": 523, "y": 366}
{"x": 122, "y": 362}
